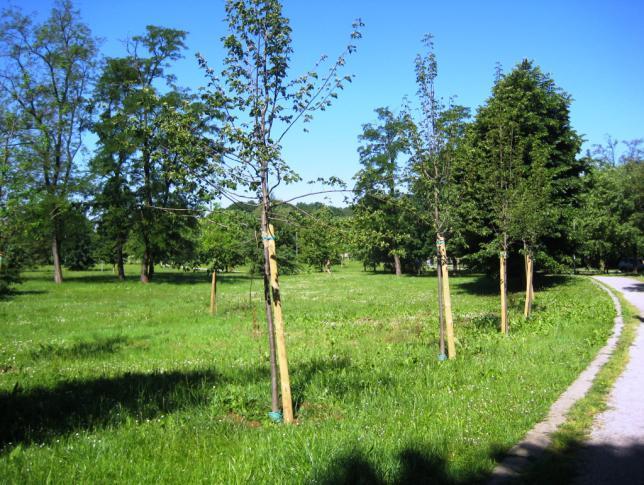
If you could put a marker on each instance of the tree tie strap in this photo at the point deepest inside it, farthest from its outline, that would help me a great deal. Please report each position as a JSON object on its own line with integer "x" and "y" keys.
{"x": 275, "y": 416}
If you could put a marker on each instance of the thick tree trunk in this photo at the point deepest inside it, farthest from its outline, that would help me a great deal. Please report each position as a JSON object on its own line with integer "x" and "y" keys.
{"x": 55, "y": 252}
{"x": 397, "y": 266}
{"x": 145, "y": 275}
{"x": 150, "y": 266}
{"x": 119, "y": 263}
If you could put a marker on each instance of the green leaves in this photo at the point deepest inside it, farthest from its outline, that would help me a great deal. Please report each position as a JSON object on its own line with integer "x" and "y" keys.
{"x": 522, "y": 157}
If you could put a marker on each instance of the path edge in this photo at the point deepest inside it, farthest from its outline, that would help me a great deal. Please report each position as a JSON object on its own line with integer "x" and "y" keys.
{"x": 538, "y": 439}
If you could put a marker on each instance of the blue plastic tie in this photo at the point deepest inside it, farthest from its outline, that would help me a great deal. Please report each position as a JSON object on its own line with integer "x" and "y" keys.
{"x": 275, "y": 416}
{"x": 442, "y": 357}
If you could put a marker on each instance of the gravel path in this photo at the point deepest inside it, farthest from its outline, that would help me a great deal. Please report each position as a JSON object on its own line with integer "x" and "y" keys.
{"x": 615, "y": 451}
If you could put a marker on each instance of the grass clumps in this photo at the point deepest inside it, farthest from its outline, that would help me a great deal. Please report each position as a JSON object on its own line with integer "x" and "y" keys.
{"x": 121, "y": 382}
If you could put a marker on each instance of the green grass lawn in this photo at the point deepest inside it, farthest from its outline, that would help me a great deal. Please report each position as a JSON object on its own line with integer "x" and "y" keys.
{"x": 102, "y": 381}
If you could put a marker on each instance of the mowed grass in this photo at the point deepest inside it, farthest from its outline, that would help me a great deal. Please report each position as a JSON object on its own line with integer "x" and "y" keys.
{"x": 105, "y": 381}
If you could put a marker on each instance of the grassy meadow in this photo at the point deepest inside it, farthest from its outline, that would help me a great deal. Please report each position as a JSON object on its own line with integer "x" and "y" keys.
{"x": 117, "y": 382}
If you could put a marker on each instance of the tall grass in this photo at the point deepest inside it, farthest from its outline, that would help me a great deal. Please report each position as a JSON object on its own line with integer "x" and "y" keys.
{"x": 102, "y": 381}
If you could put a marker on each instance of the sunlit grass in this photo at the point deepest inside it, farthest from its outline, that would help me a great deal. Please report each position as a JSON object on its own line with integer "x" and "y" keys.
{"x": 104, "y": 381}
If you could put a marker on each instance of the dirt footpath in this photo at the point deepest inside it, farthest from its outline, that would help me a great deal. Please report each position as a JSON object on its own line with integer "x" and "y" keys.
{"x": 615, "y": 452}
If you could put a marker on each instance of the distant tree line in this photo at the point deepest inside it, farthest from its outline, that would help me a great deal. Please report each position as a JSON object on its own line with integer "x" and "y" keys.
{"x": 507, "y": 179}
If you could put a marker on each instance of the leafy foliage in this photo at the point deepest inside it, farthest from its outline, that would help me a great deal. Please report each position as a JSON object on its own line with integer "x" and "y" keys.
{"x": 380, "y": 203}
{"x": 46, "y": 74}
{"x": 523, "y": 163}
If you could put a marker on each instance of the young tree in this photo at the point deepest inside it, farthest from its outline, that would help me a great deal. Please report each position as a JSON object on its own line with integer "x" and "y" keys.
{"x": 433, "y": 168}
{"x": 380, "y": 202}
{"x": 260, "y": 105}
{"x": 46, "y": 73}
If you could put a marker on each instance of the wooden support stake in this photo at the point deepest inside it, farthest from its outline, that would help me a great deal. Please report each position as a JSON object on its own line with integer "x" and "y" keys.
{"x": 441, "y": 313}
{"x": 503, "y": 273}
{"x": 531, "y": 281}
{"x": 447, "y": 301}
{"x": 213, "y": 294}
{"x": 529, "y": 296}
{"x": 280, "y": 340}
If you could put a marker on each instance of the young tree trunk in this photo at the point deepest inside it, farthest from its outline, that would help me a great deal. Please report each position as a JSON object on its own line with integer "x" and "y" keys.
{"x": 397, "y": 265}
{"x": 119, "y": 262}
{"x": 55, "y": 251}
{"x": 267, "y": 294}
{"x": 275, "y": 405}
{"x": 447, "y": 301}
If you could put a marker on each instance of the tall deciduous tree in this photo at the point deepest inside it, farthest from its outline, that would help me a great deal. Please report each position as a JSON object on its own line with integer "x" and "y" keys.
{"x": 610, "y": 218}
{"x": 117, "y": 143}
{"x": 149, "y": 132}
{"x": 46, "y": 73}
{"x": 11, "y": 198}
{"x": 380, "y": 202}
{"x": 261, "y": 104}
{"x": 151, "y": 55}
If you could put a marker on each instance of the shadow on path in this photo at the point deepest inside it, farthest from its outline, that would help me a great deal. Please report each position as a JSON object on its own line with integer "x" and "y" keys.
{"x": 586, "y": 464}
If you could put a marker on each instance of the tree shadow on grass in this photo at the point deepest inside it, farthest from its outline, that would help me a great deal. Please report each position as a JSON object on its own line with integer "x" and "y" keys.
{"x": 174, "y": 278}
{"x": 40, "y": 414}
{"x": 13, "y": 293}
{"x": 80, "y": 350}
{"x": 486, "y": 285}
{"x": 416, "y": 467}
{"x": 336, "y": 374}
{"x": 327, "y": 369}
{"x": 488, "y": 321}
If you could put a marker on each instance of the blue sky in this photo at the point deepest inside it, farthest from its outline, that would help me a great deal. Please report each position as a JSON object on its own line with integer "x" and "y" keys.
{"x": 594, "y": 50}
